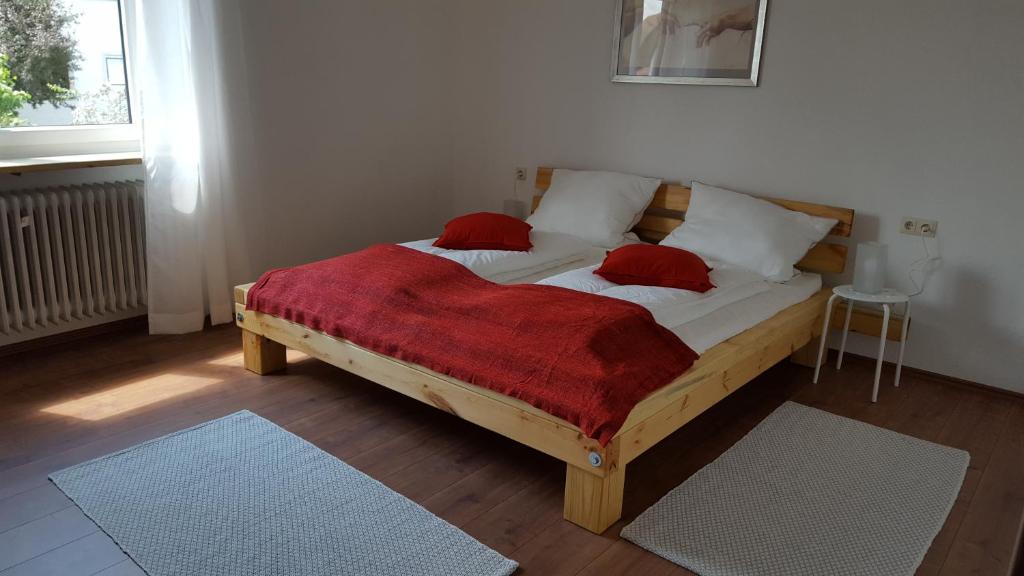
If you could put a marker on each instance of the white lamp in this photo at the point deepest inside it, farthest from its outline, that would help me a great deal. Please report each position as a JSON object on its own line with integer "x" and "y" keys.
{"x": 869, "y": 267}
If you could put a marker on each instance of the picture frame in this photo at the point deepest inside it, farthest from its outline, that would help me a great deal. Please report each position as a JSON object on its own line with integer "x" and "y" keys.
{"x": 701, "y": 42}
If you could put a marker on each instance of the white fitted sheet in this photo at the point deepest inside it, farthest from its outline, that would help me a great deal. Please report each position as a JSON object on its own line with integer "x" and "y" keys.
{"x": 741, "y": 300}
{"x": 552, "y": 253}
{"x": 593, "y": 257}
{"x": 670, "y": 306}
{"x": 718, "y": 326}
{"x": 550, "y": 250}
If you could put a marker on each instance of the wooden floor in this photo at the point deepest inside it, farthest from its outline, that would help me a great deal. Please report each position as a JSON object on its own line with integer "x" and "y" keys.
{"x": 77, "y": 401}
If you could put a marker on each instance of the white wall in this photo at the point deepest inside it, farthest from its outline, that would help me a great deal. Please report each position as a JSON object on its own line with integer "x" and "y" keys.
{"x": 350, "y": 125}
{"x": 891, "y": 108}
{"x": 376, "y": 121}
{"x": 348, "y": 141}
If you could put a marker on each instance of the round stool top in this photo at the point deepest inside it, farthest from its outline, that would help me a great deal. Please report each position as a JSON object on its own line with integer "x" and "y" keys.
{"x": 886, "y": 296}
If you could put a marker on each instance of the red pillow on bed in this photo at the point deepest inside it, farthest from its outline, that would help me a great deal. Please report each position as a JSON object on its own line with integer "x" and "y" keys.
{"x": 649, "y": 265}
{"x": 486, "y": 231}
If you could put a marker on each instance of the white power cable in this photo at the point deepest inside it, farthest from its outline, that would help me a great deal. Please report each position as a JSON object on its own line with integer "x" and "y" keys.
{"x": 920, "y": 265}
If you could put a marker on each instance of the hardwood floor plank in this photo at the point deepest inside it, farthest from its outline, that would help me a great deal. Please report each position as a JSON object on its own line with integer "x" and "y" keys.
{"x": 371, "y": 428}
{"x": 976, "y": 421}
{"x": 926, "y": 411}
{"x": 62, "y": 432}
{"x": 125, "y": 568}
{"x": 275, "y": 401}
{"x": 546, "y": 554}
{"x": 473, "y": 495}
{"x": 27, "y": 541}
{"x": 987, "y": 539}
{"x": 83, "y": 557}
{"x": 32, "y": 505}
{"x": 507, "y": 496}
{"x": 434, "y": 435}
{"x": 509, "y": 525}
{"x": 624, "y": 557}
{"x": 434, "y": 474}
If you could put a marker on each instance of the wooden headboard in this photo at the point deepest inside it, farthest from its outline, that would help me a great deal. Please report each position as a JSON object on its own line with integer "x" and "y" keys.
{"x": 668, "y": 209}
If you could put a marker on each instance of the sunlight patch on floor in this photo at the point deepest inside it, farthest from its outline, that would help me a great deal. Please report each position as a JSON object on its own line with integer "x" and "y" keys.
{"x": 116, "y": 401}
{"x": 232, "y": 359}
{"x": 235, "y": 358}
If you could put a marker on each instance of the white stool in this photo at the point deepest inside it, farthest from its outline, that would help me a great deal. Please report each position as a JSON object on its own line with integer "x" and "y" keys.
{"x": 887, "y": 299}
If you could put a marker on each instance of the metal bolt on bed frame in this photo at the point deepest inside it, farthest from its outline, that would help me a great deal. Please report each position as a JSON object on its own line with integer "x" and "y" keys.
{"x": 239, "y": 317}
{"x": 595, "y": 459}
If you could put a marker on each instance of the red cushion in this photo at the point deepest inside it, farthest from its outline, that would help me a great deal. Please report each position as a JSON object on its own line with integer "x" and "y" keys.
{"x": 649, "y": 265}
{"x": 486, "y": 231}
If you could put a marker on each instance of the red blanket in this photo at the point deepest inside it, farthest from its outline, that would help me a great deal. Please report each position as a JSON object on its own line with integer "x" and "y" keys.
{"x": 585, "y": 358}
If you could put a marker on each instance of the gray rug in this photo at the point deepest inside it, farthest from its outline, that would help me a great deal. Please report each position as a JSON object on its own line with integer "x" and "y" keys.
{"x": 239, "y": 495}
{"x": 808, "y": 493}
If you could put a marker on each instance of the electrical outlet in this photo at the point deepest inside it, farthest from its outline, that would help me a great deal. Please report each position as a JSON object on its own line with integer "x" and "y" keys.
{"x": 909, "y": 226}
{"x": 927, "y": 228}
{"x": 521, "y": 174}
{"x": 919, "y": 227}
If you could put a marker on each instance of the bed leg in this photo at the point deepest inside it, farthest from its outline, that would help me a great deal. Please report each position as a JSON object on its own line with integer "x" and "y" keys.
{"x": 808, "y": 355}
{"x": 261, "y": 354}
{"x": 591, "y": 501}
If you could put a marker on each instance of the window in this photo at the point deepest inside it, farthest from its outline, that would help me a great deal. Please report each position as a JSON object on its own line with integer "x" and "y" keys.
{"x": 115, "y": 71}
{"x": 64, "y": 83}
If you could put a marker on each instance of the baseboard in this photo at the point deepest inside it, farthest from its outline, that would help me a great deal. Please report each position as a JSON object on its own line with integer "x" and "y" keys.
{"x": 137, "y": 323}
{"x": 935, "y": 377}
{"x": 140, "y": 323}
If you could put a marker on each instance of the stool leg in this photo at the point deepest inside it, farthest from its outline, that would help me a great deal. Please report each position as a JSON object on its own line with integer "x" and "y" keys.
{"x": 903, "y": 342}
{"x": 881, "y": 350}
{"x": 824, "y": 337}
{"x": 846, "y": 331}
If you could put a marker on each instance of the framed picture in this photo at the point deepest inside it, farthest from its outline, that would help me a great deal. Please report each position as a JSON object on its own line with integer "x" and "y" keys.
{"x": 689, "y": 41}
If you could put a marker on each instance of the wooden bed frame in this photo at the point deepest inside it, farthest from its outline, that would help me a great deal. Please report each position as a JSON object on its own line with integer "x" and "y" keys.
{"x": 595, "y": 475}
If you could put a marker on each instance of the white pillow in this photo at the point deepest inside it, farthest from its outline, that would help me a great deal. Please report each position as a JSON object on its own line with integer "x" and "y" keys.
{"x": 744, "y": 231}
{"x": 599, "y": 207}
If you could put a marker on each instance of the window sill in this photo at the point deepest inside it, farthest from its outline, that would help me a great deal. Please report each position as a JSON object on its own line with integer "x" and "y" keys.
{"x": 69, "y": 162}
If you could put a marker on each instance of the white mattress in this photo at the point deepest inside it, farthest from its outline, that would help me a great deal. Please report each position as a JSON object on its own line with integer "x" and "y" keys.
{"x": 593, "y": 256}
{"x": 724, "y": 323}
{"x": 671, "y": 307}
{"x": 552, "y": 253}
{"x": 550, "y": 250}
{"x": 741, "y": 300}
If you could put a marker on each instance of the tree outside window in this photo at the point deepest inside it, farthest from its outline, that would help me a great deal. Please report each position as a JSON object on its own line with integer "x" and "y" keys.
{"x": 56, "y": 63}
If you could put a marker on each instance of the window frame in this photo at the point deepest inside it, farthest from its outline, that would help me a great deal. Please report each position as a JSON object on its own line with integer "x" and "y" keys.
{"x": 124, "y": 66}
{"x": 25, "y": 142}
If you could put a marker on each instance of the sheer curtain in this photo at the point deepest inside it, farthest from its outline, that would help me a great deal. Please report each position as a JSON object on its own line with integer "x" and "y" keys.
{"x": 180, "y": 50}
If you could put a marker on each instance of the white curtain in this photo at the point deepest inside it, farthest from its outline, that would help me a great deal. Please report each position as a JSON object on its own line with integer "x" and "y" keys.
{"x": 179, "y": 51}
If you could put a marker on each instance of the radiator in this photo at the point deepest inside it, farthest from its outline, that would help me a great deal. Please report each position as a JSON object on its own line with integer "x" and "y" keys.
{"x": 70, "y": 257}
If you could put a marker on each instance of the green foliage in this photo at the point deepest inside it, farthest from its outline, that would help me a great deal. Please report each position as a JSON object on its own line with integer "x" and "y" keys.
{"x": 36, "y": 35}
{"x": 11, "y": 99}
{"x": 108, "y": 105}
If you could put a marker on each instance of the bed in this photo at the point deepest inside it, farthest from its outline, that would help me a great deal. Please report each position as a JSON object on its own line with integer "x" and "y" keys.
{"x": 552, "y": 252}
{"x": 595, "y": 474}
